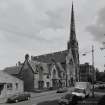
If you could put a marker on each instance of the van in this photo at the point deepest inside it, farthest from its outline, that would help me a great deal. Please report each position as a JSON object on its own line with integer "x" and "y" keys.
{"x": 82, "y": 89}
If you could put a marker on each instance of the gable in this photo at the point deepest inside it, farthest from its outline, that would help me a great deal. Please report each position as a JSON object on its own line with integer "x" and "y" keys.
{"x": 26, "y": 66}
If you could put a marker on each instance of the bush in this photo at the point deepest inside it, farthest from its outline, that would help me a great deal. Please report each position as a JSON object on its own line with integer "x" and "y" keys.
{"x": 102, "y": 101}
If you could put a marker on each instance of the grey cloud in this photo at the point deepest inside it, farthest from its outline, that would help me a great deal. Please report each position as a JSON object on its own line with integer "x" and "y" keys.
{"x": 57, "y": 18}
{"x": 98, "y": 28}
{"x": 17, "y": 21}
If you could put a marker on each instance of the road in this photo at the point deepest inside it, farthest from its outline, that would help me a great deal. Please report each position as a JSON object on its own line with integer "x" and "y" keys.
{"x": 45, "y": 98}
{"x": 41, "y": 97}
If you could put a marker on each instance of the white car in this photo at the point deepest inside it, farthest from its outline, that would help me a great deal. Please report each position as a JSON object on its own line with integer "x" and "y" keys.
{"x": 82, "y": 89}
{"x": 79, "y": 92}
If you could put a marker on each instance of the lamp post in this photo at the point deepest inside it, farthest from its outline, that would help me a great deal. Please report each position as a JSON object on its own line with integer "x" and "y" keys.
{"x": 93, "y": 70}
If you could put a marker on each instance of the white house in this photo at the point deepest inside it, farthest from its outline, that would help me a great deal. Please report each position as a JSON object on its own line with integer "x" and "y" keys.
{"x": 9, "y": 85}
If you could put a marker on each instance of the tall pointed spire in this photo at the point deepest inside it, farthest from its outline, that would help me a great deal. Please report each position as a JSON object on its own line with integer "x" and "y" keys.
{"x": 73, "y": 44}
{"x": 72, "y": 26}
{"x": 72, "y": 29}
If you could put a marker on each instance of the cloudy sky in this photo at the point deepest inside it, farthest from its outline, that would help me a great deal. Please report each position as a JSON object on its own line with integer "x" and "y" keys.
{"x": 42, "y": 26}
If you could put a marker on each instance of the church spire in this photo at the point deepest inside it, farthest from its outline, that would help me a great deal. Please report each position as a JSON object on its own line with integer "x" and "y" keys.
{"x": 72, "y": 29}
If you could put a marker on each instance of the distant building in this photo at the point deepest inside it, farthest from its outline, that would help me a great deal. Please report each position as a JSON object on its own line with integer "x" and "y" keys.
{"x": 86, "y": 72}
{"x": 51, "y": 70}
{"x": 9, "y": 85}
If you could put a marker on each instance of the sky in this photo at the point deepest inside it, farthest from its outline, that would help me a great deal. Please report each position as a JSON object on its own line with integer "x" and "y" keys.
{"x": 42, "y": 26}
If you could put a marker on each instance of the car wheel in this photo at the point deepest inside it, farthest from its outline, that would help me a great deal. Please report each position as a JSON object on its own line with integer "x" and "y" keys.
{"x": 16, "y": 101}
{"x": 87, "y": 96}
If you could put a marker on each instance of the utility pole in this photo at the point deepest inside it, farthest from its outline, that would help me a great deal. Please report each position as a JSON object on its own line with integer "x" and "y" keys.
{"x": 66, "y": 77}
{"x": 93, "y": 71}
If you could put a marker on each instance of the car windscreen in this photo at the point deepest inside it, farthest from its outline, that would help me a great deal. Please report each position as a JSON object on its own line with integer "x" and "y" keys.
{"x": 14, "y": 96}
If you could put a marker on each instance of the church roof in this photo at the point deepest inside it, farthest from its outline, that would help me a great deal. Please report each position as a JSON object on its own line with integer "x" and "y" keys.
{"x": 47, "y": 58}
{"x": 35, "y": 66}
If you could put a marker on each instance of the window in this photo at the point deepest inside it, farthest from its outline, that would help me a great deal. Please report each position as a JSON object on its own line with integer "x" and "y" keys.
{"x": 48, "y": 84}
{"x": 16, "y": 85}
{"x": 47, "y": 76}
{"x": 9, "y": 86}
{"x": 54, "y": 72}
{"x": 71, "y": 62}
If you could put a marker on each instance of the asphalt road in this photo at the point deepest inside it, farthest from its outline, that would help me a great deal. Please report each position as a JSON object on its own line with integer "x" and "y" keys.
{"x": 46, "y": 98}
{"x": 39, "y": 98}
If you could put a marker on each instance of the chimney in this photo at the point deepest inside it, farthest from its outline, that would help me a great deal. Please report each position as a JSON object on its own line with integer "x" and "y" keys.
{"x": 19, "y": 63}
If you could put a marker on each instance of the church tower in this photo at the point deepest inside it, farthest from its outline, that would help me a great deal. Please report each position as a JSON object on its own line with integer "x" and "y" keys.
{"x": 73, "y": 45}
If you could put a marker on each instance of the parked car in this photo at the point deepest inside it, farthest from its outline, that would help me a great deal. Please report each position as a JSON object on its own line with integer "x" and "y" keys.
{"x": 81, "y": 93}
{"x": 18, "y": 97}
{"x": 62, "y": 90}
{"x": 82, "y": 89}
{"x": 68, "y": 99}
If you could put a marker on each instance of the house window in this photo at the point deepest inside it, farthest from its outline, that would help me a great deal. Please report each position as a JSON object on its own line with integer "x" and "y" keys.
{"x": 9, "y": 86}
{"x": 48, "y": 84}
{"x": 48, "y": 77}
{"x": 54, "y": 72}
{"x": 16, "y": 85}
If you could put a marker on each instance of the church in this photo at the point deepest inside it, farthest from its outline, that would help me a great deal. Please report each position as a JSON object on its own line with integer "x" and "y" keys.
{"x": 65, "y": 63}
{"x": 54, "y": 70}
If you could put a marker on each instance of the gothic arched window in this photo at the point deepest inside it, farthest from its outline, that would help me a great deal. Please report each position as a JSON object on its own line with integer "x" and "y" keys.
{"x": 71, "y": 62}
{"x": 54, "y": 73}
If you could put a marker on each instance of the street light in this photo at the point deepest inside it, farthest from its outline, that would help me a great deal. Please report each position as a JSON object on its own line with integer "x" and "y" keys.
{"x": 92, "y": 69}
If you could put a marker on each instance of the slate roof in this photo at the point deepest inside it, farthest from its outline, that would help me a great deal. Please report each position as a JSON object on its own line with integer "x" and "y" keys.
{"x": 12, "y": 70}
{"x": 6, "y": 78}
{"x": 47, "y": 58}
{"x": 34, "y": 66}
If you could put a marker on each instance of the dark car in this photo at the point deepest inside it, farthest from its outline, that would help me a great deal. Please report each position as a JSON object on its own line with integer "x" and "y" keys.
{"x": 68, "y": 99}
{"x": 62, "y": 90}
{"x": 19, "y": 97}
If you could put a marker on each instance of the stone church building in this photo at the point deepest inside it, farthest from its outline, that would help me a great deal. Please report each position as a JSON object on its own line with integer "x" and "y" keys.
{"x": 58, "y": 69}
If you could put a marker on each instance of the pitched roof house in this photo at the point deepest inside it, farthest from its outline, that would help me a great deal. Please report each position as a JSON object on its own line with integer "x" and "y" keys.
{"x": 9, "y": 85}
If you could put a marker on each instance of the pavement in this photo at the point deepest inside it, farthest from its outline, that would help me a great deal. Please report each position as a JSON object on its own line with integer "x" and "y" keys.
{"x": 2, "y": 100}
